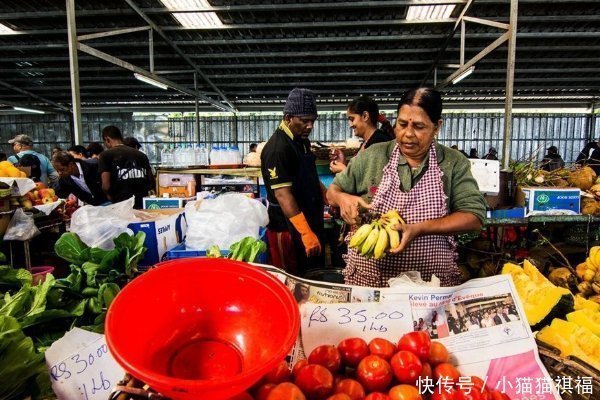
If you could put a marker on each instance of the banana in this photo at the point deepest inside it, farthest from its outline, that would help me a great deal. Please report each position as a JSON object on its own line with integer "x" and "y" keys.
{"x": 360, "y": 235}
{"x": 370, "y": 242}
{"x": 383, "y": 241}
{"x": 580, "y": 270}
{"x": 394, "y": 236}
{"x": 594, "y": 258}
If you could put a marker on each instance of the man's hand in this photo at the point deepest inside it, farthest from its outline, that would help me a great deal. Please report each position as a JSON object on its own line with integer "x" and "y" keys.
{"x": 310, "y": 241}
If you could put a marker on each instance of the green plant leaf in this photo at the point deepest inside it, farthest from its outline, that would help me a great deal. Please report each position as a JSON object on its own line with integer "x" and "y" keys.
{"x": 72, "y": 249}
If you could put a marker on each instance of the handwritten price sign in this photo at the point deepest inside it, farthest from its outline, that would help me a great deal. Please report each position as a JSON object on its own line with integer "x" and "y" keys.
{"x": 81, "y": 366}
{"x": 331, "y": 323}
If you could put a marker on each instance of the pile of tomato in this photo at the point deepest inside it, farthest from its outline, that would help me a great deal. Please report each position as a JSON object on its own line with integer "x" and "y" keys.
{"x": 414, "y": 369}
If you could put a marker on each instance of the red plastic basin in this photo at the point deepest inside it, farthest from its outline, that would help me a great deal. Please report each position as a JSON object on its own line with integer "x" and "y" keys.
{"x": 202, "y": 328}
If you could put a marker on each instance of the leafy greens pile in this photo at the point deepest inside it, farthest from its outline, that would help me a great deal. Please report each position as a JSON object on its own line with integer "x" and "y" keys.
{"x": 32, "y": 317}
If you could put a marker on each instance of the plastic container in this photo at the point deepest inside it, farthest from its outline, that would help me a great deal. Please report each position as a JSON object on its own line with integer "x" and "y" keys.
{"x": 180, "y": 251}
{"x": 195, "y": 329}
{"x": 39, "y": 274}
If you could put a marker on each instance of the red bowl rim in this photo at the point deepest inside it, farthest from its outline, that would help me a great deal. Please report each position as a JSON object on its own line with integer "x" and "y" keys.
{"x": 165, "y": 381}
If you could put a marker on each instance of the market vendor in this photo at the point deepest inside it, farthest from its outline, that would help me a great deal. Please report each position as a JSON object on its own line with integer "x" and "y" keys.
{"x": 363, "y": 116}
{"x": 429, "y": 184}
{"x": 294, "y": 191}
{"x": 79, "y": 178}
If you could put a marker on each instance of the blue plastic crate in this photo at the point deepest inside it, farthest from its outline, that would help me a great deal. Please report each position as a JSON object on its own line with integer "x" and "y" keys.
{"x": 180, "y": 251}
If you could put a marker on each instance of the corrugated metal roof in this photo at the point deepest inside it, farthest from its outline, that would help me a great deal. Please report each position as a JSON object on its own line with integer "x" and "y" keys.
{"x": 338, "y": 48}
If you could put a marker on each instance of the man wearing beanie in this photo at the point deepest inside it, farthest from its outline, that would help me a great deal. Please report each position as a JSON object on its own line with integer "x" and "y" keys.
{"x": 294, "y": 191}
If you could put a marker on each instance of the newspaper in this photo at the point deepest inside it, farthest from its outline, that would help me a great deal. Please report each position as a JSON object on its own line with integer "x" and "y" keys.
{"x": 481, "y": 322}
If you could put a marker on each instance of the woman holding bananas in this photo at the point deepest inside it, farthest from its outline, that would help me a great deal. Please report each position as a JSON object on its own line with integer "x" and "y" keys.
{"x": 428, "y": 184}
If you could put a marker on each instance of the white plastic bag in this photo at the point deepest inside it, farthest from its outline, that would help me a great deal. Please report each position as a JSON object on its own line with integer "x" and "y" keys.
{"x": 97, "y": 226}
{"x": 21, "y": 227}
{"x": 413, "y": 278}
{"x": 223, "y": 221}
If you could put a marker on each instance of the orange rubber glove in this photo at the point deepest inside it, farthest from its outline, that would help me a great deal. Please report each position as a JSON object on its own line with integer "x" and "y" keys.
{"x": 309, "y": 239}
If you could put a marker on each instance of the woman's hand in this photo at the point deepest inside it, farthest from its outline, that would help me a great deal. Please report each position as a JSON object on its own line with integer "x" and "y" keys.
{"x": 408, "y": 232}
{"x": 336, "y": 167}
{"x": 350, "y": 206}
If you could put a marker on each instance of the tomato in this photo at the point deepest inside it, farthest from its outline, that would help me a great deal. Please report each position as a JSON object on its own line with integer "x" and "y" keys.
{"x": 438, "y": 353}
{"x": 382, "y": 348}
{"x": 286, "y": 391}
{"x": 315, "y": 381}
{"x": 374, "y": 373}
{"x": 263, "y": 391}
{"x": 327, "y": 356}
{"x": 418, "y": 342}
{"x": 445, "y": 393}
{"x": 405, "y": 392}
{"x": 298, "y": 366}
{"x": 445, "y": 373}
{"x": 427, "y": 372}
{"x": 339, "y": 396}
{"x": 281, "y": 373}
{"x": 351, "y": 387}
{"x": 470, "y": 393}
{"x": 377, "y": 396}
{"x": 479, "y": 385}
{"x": 406, "y": 367}
{"x": 353, "y": 350}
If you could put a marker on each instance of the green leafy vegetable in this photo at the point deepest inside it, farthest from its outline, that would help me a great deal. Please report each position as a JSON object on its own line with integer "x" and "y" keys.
{"x": 14, "y": 277}
{"x": 213, "y": 252}
{"x": 19, "y": 362}
{"x": 247, "y": 249}
{"x": 72, "y": 249}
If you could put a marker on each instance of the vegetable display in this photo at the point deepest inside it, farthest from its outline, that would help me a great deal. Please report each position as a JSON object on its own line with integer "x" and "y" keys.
{"x": 352, "y": 371}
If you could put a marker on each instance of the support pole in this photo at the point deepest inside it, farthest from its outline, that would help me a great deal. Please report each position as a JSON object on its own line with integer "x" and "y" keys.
{"x": 510, "y": 75}
{"x": 74, "y": 72}
{"x": 151, "y": 49}
{"x": 196, "y": 117}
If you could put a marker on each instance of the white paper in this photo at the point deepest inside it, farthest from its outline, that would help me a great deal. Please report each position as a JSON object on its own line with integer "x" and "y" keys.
{"x": 487, "y": 175}
{"x": 81, "y": 367}
{"x": 23, "y": 185}
{"x": 332, "y": 323}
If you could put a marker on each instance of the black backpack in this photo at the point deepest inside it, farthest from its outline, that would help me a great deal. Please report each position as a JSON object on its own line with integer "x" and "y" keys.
{"x": 33, "y": 162}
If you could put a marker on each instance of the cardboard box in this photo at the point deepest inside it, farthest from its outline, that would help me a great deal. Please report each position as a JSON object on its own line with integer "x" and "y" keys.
{"x": 515, "y": 212}
{"x": 550, "y": 200}
{"x": 176, "y": 185}
{"x": 155, "y": 203}
{"x": 164, "y": 230}
{"x": 505, "y": 197}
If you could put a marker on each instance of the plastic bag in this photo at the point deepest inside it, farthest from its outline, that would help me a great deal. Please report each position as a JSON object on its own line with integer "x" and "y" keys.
{"x": 21, "y": 227}
{"x": 223, "y": 221}
{"x": 413, "y": 278}
{"x": 97, "y": 226}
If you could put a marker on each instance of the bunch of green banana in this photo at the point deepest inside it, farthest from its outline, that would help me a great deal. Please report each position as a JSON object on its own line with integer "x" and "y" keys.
{"x": 373, "y": 240}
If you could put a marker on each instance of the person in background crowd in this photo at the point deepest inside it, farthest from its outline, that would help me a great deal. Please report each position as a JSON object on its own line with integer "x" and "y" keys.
{"x": 132, "y": 142}
{"x": 41, "y": 169}
{"x": 124, "y": 171}
{"x": 455, "y": 147}
{"x": 294, "y": 191}
{"x": 253, "y": 147}
{"x": 2, "y": 156}
{"x": 590, "y": 156}
{"x": 78, "y": 151}
{"x": 94, "y": 149}
{"x": 363, "y": 115}
{"x": 431, "y": 187}
{"x": 552, "y": 160}
{"x": 56, "y": 149}
{"x": 491, "y": 155}
{"x": 78, "y": 177}
{"x": 473, "y": 153}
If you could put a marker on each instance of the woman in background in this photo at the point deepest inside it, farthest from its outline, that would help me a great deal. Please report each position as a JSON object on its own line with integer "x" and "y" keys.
{"x": 363, "y": 115}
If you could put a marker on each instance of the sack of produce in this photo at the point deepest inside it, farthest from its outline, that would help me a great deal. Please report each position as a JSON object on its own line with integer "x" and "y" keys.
{"x": 97, "y": 226}
{"x": 223, "y": 221}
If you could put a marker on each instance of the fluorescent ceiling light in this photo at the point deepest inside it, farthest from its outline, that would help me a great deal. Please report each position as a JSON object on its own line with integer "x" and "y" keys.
{"x": 193, "y": 19}
{"x": 420, "y": 13}
{"x": 463, "y": 75}
{"x": 30, "y": 110}
{"x": 5, "y": 30}
{"x": 150, "y": 81}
